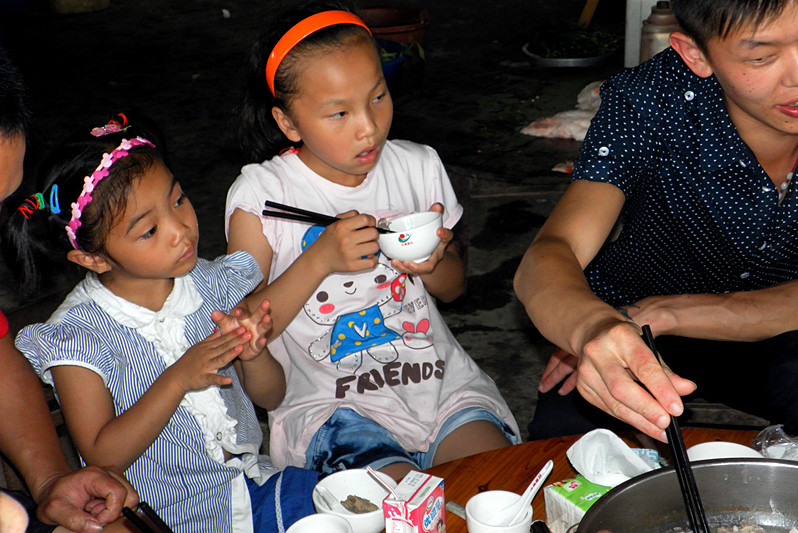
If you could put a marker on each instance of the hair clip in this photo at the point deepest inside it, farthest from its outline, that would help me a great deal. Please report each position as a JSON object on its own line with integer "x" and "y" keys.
{"x": 55, "y": 207}
{"x": 113, "y": 126}
{"x": 32, "y": 204}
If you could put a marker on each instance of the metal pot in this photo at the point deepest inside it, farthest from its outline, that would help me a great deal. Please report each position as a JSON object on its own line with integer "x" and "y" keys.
{"x": 764, "y": 491}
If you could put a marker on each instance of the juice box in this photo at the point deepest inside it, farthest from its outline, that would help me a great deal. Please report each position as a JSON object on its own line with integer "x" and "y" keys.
{"x": 418, "y": 506}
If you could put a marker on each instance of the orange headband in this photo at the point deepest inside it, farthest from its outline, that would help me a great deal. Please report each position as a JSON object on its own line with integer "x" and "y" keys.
{"x": 301, "y": 30}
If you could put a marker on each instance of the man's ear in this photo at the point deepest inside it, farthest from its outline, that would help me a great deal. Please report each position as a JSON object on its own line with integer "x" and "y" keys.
{"x": 286, "y": 125}
{"x": 94, "y": 262}
{"x": 691, "y": 54}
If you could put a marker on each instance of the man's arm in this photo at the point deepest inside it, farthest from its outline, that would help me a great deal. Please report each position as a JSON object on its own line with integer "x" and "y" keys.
{"x": 27, "y": 434}
{"x": 736, "y": 316}
{"x": 550, "y": 282}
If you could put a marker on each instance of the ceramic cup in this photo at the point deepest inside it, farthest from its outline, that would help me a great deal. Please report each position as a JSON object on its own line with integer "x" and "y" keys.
{"x": 720, "y": 450}
{"x": 415, "y": 236}
{"x": 320, "y": 523}
{"x": 481, "y": 508}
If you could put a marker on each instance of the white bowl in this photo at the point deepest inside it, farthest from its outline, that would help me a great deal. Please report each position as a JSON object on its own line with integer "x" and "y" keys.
{"x": 320, "y": 523}
{"x": 720, "y": 450}
{"x": 358, "y": 482}
{"x": 415, "y": 236}
{"x": 481, "y": 508}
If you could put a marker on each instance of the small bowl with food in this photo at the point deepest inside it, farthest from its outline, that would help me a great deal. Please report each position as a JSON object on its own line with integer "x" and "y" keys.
{"x": 356, "y": 496}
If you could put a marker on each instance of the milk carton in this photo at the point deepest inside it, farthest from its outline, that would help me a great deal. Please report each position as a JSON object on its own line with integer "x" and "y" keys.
{"x": 418, "y": 506}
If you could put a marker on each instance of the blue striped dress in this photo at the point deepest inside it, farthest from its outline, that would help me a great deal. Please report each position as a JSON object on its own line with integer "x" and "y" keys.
{"x": 182, "y": 475}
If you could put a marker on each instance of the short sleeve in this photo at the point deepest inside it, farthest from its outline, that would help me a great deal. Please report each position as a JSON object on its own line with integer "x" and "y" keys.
{"x": 617, "y": 142}
{"x": 49, "y": 345}
{"x": 238, "y": 274}
{"x": 441, "y": 190}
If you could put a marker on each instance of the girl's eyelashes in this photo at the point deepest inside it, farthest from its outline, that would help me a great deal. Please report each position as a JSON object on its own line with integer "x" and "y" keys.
{"x": 149, "y": 233}
{"x": 181, "y": 199}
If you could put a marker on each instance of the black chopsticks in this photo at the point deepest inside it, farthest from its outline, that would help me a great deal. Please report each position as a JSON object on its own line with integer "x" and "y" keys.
{"x": 302, "y": 215}
{"x": 692, "y": 500}
{"x": 141, "y": 524}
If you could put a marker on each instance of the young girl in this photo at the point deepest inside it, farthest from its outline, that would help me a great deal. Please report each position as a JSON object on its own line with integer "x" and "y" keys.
{"x": 145, "y": 381}
{"x": 374, "y": 375}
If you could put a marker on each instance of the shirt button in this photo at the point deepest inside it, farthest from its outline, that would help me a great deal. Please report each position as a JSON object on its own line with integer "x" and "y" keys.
{"x": 689, "y": 95}
{"x": 764, "y": 245}
{"x": 765, "y": 188}
{"x": 604, "y": 151}
{"x": 219, "y": 436}
{"x": 161, "y": 320}
{"x": 744, "y": 275}
{"x": 742, "y": 163}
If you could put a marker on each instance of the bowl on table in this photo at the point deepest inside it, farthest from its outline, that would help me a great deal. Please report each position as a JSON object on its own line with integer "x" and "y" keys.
{"x": 320, "y": 523}
{"x": 356, "y": 482}
{"x": 721, "y": 450}
{"x": 414, "y": 236}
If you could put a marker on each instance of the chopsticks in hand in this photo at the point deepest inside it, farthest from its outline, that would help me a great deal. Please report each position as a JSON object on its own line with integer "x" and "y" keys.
{"x": 141, "y": 524}
{"x": 692, "y": 501}
{"x": 294, "y": 213}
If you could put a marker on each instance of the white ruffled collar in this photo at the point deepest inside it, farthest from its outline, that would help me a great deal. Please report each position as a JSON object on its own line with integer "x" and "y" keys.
{"x": 182, "y": 301}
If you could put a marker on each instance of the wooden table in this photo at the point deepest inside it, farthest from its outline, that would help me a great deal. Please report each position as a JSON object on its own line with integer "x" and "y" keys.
{"x": 512, "y": 468}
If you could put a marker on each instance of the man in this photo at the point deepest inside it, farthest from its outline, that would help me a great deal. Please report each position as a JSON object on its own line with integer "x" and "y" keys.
{"x": 694, "y": 151}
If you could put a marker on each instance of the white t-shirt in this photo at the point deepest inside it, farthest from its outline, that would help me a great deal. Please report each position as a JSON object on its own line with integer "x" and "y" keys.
{"x": 371, "y": 341}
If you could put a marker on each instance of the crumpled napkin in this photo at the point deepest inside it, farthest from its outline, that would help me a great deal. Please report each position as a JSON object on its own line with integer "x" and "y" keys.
{"x": 604, "y": 459}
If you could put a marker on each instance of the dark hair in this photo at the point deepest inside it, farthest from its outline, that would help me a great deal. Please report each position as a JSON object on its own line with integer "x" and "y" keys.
{"x": 259, "y": 135}
{"x": 14, "y": 112}
{"x": 704, "y": 19}
{"x": 32, "y": 239}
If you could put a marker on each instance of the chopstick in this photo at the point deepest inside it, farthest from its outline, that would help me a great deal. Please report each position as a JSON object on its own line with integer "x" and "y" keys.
{"x": 154, "y": 518}
{"x": 303, "y": 215}
{"x": 141, "y": 524}
{"x": 692, "y": 500}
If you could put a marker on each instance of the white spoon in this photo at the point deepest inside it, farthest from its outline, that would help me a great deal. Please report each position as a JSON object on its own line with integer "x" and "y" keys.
{"x": 329, "y": 499}
{"x": 513, "y": 512}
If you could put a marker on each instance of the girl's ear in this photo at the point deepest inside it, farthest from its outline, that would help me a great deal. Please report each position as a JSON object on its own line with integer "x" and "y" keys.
{"x": 691, "y": 54}
{"x": 286, "y": 125}
{"x": 95, "y": 263}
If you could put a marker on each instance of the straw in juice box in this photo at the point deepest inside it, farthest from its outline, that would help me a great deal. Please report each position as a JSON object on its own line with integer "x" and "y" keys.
{"x": 417, "y": 507}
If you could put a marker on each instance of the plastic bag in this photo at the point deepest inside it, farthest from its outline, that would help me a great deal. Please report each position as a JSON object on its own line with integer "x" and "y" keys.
{"x": 774, "y": 443}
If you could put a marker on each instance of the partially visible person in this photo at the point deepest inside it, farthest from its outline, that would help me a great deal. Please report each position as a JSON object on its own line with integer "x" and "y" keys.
{"x": 155, "y": 363}
{"x": 693, "y": 152}
{"x": 375, "y": 376}
{"x": 83, "y": 500}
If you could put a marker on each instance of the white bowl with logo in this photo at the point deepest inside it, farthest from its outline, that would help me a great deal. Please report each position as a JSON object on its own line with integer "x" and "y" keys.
{"x": 414, "y": 236}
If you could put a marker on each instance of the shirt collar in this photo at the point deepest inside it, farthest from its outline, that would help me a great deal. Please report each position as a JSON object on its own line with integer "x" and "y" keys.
{"x": 182, "y": 301}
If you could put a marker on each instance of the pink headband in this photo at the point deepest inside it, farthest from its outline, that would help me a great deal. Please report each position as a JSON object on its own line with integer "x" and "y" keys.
{"x": 89, "y": 182}
{"x": 299, "y": 31}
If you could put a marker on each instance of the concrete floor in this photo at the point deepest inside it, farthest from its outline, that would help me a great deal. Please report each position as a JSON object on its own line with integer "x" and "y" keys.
{"x": 178, "y": 61}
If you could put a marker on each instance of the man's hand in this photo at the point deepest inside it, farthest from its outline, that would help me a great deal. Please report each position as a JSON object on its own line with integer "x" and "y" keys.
{"x": 612, "y": 364}
{"x": 86, "y": 500}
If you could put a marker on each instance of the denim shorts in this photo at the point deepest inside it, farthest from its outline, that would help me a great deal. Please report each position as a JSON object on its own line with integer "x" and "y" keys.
{"x": 349, "y": 440}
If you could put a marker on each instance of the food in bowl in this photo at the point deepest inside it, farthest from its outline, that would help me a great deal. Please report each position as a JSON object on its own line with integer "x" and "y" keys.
{"x": 413, "y": 237}
{"x": 357, "y": 482}
{"x": 358, "y": 505}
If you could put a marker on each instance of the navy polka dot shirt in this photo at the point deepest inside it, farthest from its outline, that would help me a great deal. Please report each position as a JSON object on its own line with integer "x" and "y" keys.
{"x": 701, "y": 215}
